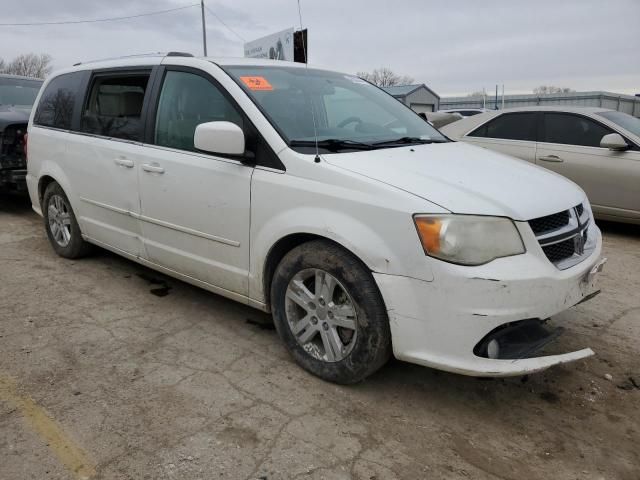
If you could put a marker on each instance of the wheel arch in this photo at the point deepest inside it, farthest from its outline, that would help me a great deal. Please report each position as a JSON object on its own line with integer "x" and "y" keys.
{"x": 43, "y": 183}
{"x": 283, "y": 246}
{"x": 50, "y": 172}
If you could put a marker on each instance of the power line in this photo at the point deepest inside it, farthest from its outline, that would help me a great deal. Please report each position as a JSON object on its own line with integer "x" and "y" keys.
{"x": 222, "y": 22}
{"x": 97, "y": 20}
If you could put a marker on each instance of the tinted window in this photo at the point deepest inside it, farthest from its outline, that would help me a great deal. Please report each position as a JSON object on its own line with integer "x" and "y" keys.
{"x": 573, "y": 130}
{"x": 512, "y": 126}
{"x": 55, "y": 108}
{"x": 18, "y": 91}
{"x": 114, "y": 106}
{"x": 186, "y": 101}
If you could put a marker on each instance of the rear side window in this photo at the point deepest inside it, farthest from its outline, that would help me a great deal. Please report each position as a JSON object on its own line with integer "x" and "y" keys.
{"x": 114, "y": 106}
{"x": 56, "y": 105}
{"x": 569, "y": 129}
{"x": 511, "y": 126}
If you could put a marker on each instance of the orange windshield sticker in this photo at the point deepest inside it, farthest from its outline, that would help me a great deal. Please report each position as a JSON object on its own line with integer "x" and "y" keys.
{"x": 256, "y": 83}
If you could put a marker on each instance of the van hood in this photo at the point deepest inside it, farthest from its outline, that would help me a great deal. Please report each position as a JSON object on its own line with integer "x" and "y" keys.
{"x": 466, "y": 179}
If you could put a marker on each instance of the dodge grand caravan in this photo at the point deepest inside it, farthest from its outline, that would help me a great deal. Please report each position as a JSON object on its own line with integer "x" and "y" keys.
{"x": 320, "y": 198}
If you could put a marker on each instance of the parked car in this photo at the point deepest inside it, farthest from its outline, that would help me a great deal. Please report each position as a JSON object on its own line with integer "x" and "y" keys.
{"x": 316, "y": 196}
{"x": 597, "y": 148}
{"x": 17, "y": 95}
{"x": 466, "y": 112}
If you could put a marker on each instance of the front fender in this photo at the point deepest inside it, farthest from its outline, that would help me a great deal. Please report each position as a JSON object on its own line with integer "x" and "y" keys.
{"x": 376, "y": 227}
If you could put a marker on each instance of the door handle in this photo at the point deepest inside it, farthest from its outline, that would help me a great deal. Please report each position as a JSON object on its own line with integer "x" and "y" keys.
{"x": 124, "y": 162}
{"x": 147, "y": 167}
{"x": 551, "y": 158}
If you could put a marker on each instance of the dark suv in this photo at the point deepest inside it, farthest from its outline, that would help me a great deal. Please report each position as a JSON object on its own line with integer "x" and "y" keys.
{"x": 17, "y": 95}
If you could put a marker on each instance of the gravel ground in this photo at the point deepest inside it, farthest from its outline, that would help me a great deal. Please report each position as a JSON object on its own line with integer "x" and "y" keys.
{"x": 103, "y": 377}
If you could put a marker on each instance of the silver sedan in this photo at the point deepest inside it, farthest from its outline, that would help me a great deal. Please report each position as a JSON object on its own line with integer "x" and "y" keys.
{"x": 597, "y": 148}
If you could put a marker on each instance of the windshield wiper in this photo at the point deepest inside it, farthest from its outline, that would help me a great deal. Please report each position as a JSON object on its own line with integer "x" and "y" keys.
{"x": 333, "y": 144}
{"x": 406, "y": 141}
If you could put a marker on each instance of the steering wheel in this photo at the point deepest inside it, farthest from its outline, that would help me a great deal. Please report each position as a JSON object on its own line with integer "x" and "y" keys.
{"x": 349, "y": 120}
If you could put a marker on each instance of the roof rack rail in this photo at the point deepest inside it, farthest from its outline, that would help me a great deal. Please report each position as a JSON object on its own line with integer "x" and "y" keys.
{"x": 137, "y": 55}
{"x": 179, "y": 54}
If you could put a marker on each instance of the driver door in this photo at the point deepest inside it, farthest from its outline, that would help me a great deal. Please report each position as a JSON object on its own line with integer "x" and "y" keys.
{"x": 195, "y": 207}
{"x": 570, "y": 146}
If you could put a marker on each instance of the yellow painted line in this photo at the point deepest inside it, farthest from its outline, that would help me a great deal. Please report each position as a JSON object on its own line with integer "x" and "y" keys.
{"x": 69, "y": 454}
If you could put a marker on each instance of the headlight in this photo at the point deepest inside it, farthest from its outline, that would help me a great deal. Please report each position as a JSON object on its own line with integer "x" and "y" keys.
{"x": 468, "y": 239}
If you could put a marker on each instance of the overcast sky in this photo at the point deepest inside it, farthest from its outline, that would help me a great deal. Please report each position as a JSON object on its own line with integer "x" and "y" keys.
{"x": 454, "y": 46}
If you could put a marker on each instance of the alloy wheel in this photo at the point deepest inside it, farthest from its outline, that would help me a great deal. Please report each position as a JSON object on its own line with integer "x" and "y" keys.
{"x": 59, "y": 216}
{"x": 321, "y": 315}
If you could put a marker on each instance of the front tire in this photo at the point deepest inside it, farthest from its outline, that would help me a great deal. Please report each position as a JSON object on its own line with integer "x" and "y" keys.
{"x": 329, "y": 313}
{"x": 61, "y": 224}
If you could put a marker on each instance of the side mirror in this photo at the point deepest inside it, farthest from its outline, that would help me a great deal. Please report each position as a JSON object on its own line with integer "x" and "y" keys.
{"x": 224, "y": 138}
{"x": 614, "y": 141}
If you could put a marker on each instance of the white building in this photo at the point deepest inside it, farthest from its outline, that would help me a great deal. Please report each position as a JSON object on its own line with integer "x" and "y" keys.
{"x": 419, "y": 98}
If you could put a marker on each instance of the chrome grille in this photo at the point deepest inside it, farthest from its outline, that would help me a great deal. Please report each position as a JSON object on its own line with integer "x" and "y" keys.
{"x": 550, "y": 222}
{"x": 563, "y": 236}
{"x": 556, "y": 252}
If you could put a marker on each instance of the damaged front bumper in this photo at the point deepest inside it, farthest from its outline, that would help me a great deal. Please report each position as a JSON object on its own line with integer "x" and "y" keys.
{"x": 449, "y": 323}
{"x": 13, "y": 165}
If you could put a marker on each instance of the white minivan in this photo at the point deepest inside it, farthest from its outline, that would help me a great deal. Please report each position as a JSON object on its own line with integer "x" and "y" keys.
{"x": 318, "y": 197}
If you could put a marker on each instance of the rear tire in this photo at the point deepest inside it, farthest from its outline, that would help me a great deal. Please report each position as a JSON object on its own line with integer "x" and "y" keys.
{"x": 61, "y": 224}
{"x": 329, "y": 313}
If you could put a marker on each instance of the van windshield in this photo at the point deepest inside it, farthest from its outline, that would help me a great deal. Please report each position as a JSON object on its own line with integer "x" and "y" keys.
{"x": 346, "y": 112}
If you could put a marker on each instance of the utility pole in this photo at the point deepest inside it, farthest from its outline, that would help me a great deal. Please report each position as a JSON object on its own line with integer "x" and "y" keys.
{"x": 204, "y": 29}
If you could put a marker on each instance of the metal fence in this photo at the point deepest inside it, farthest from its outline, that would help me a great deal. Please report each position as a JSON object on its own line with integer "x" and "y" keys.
{"x": 615, "y": 101}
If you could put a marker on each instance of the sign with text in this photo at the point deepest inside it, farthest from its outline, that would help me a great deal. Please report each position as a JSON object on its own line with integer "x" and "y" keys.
{"x": 277, "y": 46}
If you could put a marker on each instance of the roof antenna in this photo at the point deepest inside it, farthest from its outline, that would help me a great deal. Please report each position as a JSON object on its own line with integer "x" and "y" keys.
{"x": 306, "y": 67}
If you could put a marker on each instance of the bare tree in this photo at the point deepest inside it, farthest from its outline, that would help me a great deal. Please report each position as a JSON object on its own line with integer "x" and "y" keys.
{"x": 546, "y": 89}
{"x": 385, "y": 77}
{"x": 28, "y": 65}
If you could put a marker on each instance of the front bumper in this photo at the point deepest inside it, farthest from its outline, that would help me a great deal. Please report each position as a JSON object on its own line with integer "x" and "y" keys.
{"x": 438, "y": 323}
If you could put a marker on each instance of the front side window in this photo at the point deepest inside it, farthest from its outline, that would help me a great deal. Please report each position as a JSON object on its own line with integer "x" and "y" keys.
{"x": 186, "y": 101}
{"x": 55, "y": 108}
{"x": 511, "y": 126}
{"x": 570, "y": 129}
{"x": 114, "y": 106}
{"x": 18, "y": 91}
{"x": 340, "y": 111}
